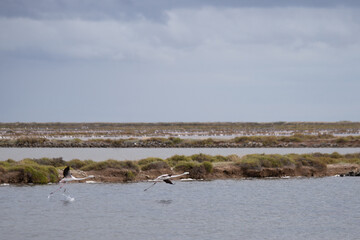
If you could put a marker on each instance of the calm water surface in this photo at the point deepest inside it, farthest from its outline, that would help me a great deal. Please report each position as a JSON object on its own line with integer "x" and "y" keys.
{"x": 315, "y": 208}
{"x": 101, "y": 154}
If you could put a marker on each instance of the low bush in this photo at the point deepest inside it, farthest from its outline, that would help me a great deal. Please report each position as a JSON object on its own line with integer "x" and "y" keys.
{"x": 256, "y": 161}
{"x": 174, "y": 160}
{"x": 185, "y": 166}
{"x": 76, "y": 163}
{"x": 208, "y": 167}
{"x": 130, "y": 165}
{"x": 310, "y": 162}
{"x": 130, "y": 176}
{"x": 219, "y": 158}
{"x": 117, "y": 142}
{"x": 56, "y": 162}
{"x": 175, "y": 140}
{"x": 208, "y": 141}
{"x": 29, "y": 141}
{"x": 202, "y": 158}
{"x": 155, "y": 165}
{"x": 147, "y": 161}
{"x": 31, "y": 172}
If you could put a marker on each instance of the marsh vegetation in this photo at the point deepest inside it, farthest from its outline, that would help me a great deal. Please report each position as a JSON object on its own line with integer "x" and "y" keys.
{"x": 200, "y": 166}
{"x": 296, "y": 140}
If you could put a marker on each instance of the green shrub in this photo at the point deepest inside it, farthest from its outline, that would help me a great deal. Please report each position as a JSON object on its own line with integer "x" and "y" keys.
{"x": 174, "y": 160}
{"x": 56, "y": 162}
{"x": 34, "y": 173}
{"x": 76, "y": 163}
{"x": 310, "y": 162}
{"x": 129, "y": 176}
{"x": 95, "y": 166}
{"x": 155, "y": 165}
{"x": 117, "y": 142}
{"x": 295, "y": 138}
{"x": 202, "y": 158}
{"x": 219, "y": 158}
{"x": 7, "y": 163}
{"x": 27, "y": 161}
{"x": 175, "y": 140}
{"x": 256, "y": 161}
{"x": 53, "y": 174}
{"x": 29, "y": 141}
{"x": 77, "y": 140}
{"x": 208, "y": 141}
{"x": 147, "y": 161}
{"x": 131, "y": 165}
{"x": 269, "y": 141}
{"x": 185, "y": 166}
{"x": 208, "y": 167}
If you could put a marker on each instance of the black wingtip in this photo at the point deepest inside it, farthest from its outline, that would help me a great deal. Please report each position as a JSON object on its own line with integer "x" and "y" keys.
{"x": 66, "y": 171}
{"x": 168, "y": 181}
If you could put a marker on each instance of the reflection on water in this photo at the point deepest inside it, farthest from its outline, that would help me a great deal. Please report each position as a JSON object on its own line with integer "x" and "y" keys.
{"x": 101, "y": 154}
{"x": 165, "y": 202}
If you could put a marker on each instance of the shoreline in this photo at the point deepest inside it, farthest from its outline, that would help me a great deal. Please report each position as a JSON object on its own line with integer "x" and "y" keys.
{"x": 103, "y": 177}
{"x": 200, "y": 166}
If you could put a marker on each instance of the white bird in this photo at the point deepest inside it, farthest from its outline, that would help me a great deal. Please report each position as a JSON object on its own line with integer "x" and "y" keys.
{"x": 67, "y": 178}
{"x": 166, "y": 178}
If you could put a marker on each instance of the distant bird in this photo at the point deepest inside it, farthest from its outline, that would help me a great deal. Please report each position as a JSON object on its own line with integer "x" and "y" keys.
{"x": 166, "y": 178}
{"x": 67, "y": 178}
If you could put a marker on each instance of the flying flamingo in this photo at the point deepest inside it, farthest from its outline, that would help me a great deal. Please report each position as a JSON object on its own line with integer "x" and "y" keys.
{"x": 166, "y": 178}
{"x": 67, "y": 178}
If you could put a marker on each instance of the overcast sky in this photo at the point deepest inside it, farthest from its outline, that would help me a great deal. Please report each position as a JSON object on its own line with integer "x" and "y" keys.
{"x": 179, "y": 61}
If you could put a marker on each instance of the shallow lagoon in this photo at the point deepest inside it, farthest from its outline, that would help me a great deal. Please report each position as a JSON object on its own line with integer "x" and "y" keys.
{"x": 305, "y": 208}
{"x": 101, "y": 154}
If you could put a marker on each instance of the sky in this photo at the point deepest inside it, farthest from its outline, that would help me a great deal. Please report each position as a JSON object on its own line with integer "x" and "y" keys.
{"x": 179, "y": 61}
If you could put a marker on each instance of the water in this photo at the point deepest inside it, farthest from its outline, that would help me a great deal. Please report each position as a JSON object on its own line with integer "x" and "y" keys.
{"x": 101, "y": 154}
{"x": 314, "y": 208}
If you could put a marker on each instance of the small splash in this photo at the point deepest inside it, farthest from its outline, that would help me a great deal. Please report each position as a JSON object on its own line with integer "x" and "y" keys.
{"x": 68, "y": 198}
{"x": 4, "y": 184}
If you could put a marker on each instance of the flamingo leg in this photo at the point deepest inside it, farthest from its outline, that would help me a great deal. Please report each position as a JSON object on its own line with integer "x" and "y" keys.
{"x": 150, "y": 186}
{"x": 57, "y": 189}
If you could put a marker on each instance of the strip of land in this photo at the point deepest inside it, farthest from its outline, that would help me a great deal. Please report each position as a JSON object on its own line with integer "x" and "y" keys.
{"x": 295, "y": 141}
{"x": 200, "y": 166}
{"x": 175, "y": 129}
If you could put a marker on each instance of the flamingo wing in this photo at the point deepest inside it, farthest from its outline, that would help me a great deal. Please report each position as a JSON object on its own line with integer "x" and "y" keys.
{"x": 168, "y": 181}
{"x": 66, "y": 172}
{"x": 179, "y": 175}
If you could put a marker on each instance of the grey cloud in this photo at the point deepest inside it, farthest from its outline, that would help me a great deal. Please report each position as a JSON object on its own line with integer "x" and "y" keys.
{"x": 134, "y": 9}
{"x": 197, "y": 34}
